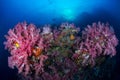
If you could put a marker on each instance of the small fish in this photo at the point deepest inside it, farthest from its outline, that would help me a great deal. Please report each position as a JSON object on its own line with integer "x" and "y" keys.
{"x": 37, "y": 51}
{"x": 16, "y": 44}
{"x": 72, "y": 37}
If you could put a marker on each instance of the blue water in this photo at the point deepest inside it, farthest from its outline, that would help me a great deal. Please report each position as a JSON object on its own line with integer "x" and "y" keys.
{"x": 40, "y": 12}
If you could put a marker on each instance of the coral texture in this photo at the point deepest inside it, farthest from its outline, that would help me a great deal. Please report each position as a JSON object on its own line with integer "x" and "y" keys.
{"x": 61, "y": 53}
{"x": 97, "y": 40}
{"x": 23, "y": 42}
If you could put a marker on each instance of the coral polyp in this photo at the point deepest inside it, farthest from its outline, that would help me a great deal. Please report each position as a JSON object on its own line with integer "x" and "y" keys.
{"x": 58, "y": 54}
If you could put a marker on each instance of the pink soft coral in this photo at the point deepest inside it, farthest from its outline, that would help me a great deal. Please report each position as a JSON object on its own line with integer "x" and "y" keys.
{"x": 20, "y": 41}
{"x": 99, "y": 39}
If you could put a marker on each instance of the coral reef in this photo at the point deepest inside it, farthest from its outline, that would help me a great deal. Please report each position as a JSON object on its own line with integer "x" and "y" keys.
{"x": 59, "y": 54}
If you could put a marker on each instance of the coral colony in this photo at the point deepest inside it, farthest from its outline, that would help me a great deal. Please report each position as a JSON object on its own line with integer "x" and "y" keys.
{"x": 58, "y": 54}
